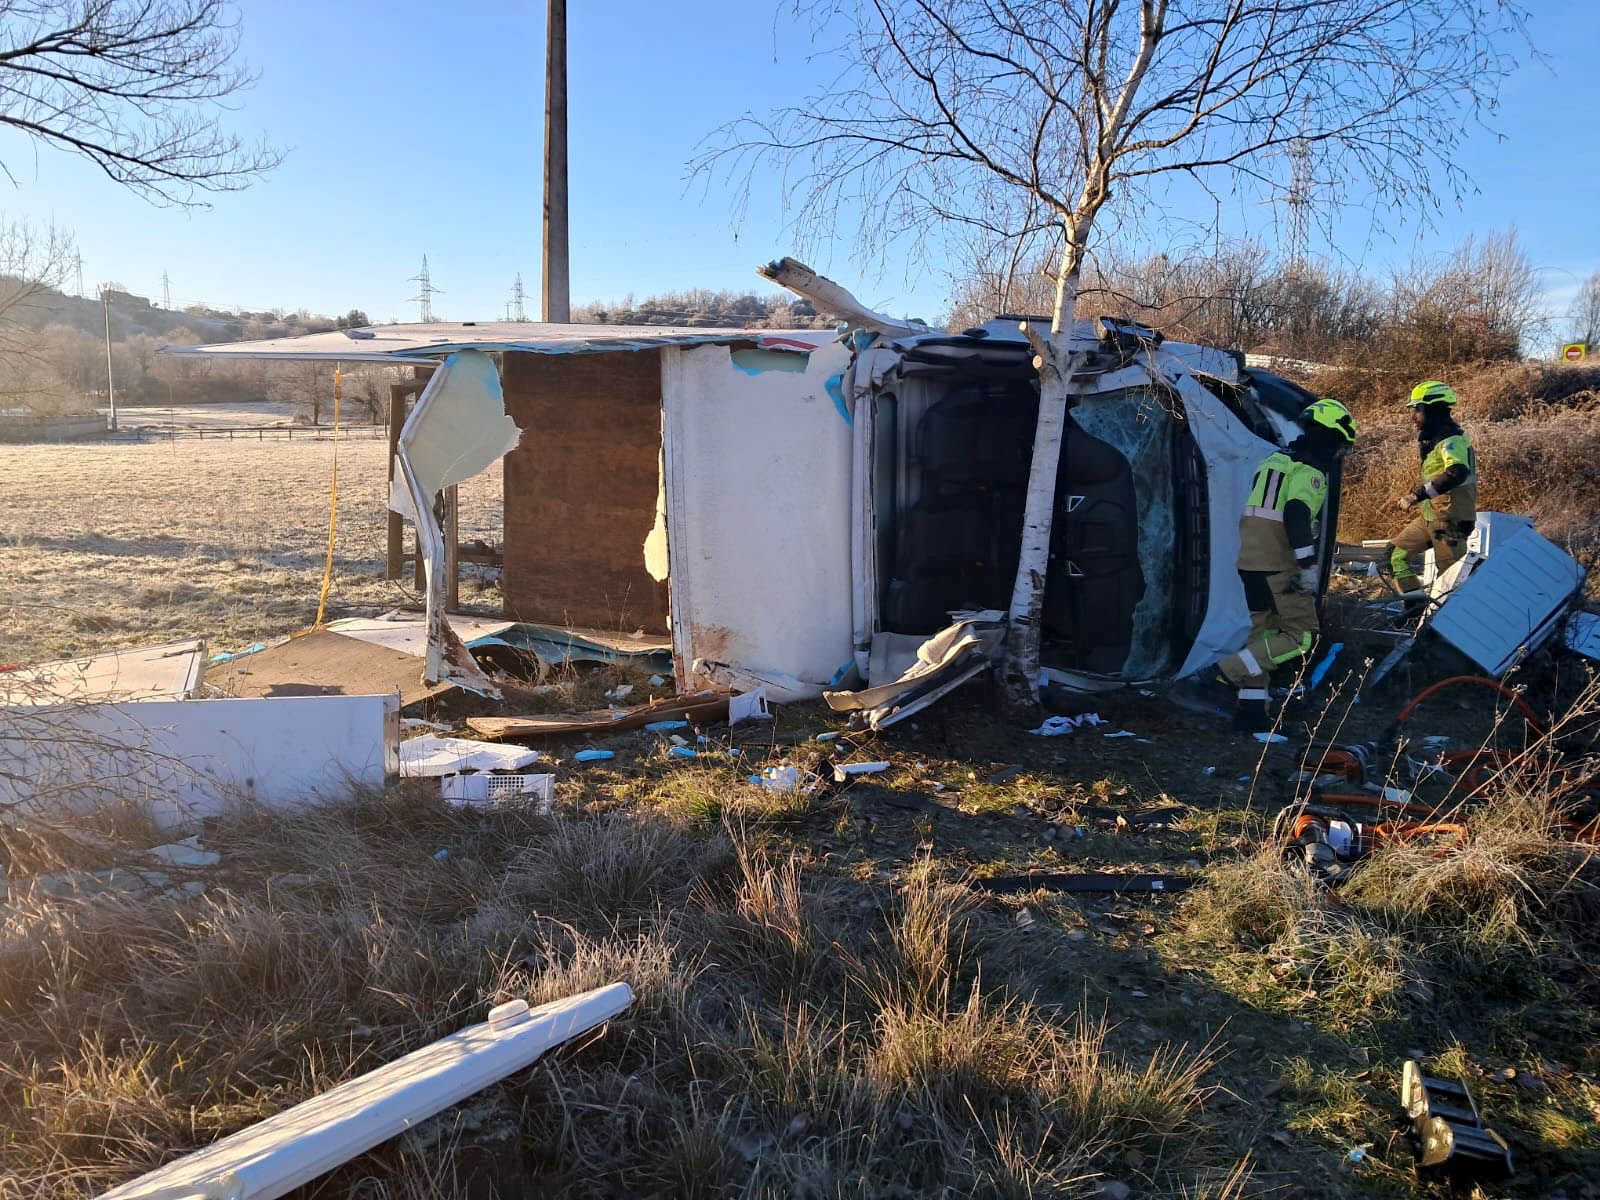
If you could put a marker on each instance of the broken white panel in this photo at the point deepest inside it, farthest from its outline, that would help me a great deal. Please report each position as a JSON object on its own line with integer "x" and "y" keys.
{"x": 1231, "y": 453}
{"x": 408, "y": 633}
{"x": 189, "y": 759}
{"x": 283, "y": 1152}
{"x": 748, "y": 706}
{"x": 951, "y": 657}
{"x": 431, "y": 755}
{"x": 167, "y": 672}
{"x": 1515, "y": 598}
{"x": 458, "y": 429}
{"x": 758, "y": 519}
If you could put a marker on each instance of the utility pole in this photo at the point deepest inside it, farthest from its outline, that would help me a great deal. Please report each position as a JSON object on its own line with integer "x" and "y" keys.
{"x": 166, "y": 291}
{"x": 556, "y": 288}
{"x": 111, "y": 388}
{"x": 425, "y": 292}
{"x": 518, "y": 310}
{"x": 77, "y": 266}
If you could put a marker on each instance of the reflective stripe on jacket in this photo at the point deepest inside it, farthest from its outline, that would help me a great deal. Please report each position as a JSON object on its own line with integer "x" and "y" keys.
{"x": 1277, "y": 531}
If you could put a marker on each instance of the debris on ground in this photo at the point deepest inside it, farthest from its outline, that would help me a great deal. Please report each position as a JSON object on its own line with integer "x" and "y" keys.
{"x": 325, "y": 663}
{"x": 295, "y": 1146}
{"x": 696, "y": 707}
{"x": 908, "y": 674}
{"x": 1098, "y": 882}
{"x": 1448, "y": 1129}
{"x": 1059, "y": 726}
{"x": 432, "y": 755}
{"x": 197, "y": 758}
{"x": 172, "y": 671}
{"x": 846, "y": 771}
{"x": 499, "y": 791}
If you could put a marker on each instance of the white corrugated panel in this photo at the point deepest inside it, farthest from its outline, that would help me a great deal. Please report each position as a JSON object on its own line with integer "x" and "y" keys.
{"x": 1513, "y": 599}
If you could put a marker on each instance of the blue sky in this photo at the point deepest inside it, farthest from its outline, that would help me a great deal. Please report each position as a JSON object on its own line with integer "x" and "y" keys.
{"x": 416, "y": 127}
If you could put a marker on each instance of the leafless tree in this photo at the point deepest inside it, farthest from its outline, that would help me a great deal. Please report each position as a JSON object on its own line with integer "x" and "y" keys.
{"x": 1585, "y": 312}
{"x": 984, "y": 113}
{"x": 134, "y": 86}
{"x": 33, "y": 266}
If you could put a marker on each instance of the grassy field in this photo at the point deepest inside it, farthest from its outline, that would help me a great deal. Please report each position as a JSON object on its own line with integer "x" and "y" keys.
{"x": 121, "y": 544}
{"x": 830, "y": 1005}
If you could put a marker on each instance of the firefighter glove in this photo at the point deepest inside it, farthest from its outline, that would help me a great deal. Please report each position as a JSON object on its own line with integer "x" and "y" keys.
{"x": 1406, "y": 503}
{"x": 1306, "y": 581}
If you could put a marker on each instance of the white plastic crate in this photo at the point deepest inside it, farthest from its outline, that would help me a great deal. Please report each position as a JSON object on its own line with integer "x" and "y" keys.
{"x": 499, "y": 791}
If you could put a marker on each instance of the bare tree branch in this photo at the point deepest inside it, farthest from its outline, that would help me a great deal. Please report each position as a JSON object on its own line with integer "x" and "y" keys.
{"x": 135, "y": 86}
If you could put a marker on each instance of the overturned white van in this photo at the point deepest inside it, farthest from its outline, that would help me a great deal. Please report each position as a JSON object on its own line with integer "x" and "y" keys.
{"x": 788, "y": 498}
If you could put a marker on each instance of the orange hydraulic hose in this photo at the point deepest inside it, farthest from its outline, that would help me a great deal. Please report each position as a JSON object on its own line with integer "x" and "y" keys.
{"x": 1426, "y": 693}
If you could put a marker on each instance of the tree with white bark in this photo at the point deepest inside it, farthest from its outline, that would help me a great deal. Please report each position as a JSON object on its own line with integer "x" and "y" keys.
{"x": 137, "y": 87}
{"x": 1585, "y": 312}
{"x": 1032, "y": 120}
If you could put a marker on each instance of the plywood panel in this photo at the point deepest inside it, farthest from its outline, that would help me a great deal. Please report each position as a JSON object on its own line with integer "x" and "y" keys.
{"x": 580, "y": 492}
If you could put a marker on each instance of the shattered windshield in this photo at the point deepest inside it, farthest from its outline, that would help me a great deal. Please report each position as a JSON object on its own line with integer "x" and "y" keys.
{"x": 1137, "y": 423}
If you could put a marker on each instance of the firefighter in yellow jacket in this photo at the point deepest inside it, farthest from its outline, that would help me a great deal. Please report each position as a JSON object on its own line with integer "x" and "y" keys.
{"x": 1278, "y": 561}
{"x": 1447, "y": 495}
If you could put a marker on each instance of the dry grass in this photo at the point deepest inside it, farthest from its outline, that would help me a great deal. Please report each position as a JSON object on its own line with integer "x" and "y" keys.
{"x": 785, "y": 1042}
{"x": 123, "y": 544}
{"x": 1536, "y": 465}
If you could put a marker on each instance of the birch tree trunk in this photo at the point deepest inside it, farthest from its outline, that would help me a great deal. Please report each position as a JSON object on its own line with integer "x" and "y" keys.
{"x": 1054, "y": 361}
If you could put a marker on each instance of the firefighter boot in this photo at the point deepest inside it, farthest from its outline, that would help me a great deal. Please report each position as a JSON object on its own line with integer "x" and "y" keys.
{"x": 1250, "y": 712}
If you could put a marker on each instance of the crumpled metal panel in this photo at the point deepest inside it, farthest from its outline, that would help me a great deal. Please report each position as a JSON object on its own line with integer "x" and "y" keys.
{"x": 1513, "y": 596}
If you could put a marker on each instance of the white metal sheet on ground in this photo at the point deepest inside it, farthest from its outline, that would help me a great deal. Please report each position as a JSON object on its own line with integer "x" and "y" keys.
{"x": 432, "y": 755}
{"x": 1513, "y": 599}
{"x": 409, "y": 634}
{"x": 295, "y": 1146}
{"x": 758, "y": 467}
{"x": 167, "y": 672}
{"x": 187, "y": 759}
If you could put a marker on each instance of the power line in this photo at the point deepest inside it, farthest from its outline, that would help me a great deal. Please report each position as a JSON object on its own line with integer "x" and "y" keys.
{"x": 517, "y": 310}
{"x": 425, "y": 293}
{"x": 166, "y": 291}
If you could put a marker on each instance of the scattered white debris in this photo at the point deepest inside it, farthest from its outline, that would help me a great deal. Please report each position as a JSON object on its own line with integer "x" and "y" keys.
{"x": 1059, "y": 726}
{"x": 430, "y": 756}
{"x": 1270, "y": 739}
{"x": 657, "y": 680}
{"x": 844, "y": 771}
{"x": 187, "y": 853}
{"x": 619, "y": 693}
{"x": 749, "y": 706}
{"x": 499, "y": 791}
{"x": 785, "y": 779}
{"x": 1121, "y": 733}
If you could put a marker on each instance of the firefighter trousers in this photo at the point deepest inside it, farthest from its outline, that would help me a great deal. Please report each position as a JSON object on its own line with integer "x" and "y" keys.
{"x": 1283, "y": 627}
{"x": 1443, "y": 534}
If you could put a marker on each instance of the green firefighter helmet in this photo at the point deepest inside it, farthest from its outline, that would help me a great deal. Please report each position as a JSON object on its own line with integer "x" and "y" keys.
{"x": 1431, "y": 391}
{"x": 1330, "y": 414}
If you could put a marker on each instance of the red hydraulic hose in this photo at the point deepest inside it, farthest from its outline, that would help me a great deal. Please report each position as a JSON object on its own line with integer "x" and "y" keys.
{"x": 1481, "y": 681}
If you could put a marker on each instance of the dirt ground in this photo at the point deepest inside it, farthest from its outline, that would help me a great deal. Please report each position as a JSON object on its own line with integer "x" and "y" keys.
{"x": 127, "y": 543}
